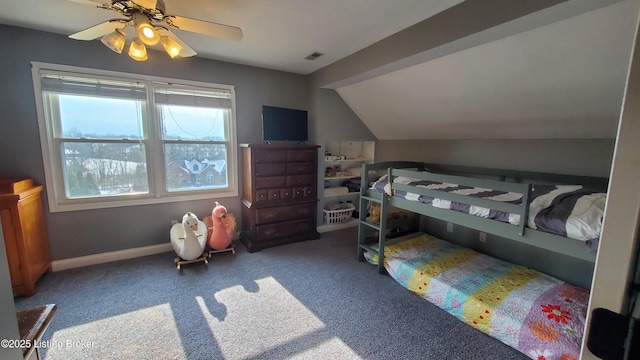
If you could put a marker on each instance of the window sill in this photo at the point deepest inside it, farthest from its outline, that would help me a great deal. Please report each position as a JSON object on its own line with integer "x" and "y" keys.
{"x": 91, "y": 204}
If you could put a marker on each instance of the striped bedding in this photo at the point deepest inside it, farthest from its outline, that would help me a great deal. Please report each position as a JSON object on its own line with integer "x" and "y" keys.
{"x": 534, "y": 313}
{"x": 567, "y": 210}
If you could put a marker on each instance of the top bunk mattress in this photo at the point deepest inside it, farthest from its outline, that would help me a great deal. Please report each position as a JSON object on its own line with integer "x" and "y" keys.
{"x": 566, "y": 210}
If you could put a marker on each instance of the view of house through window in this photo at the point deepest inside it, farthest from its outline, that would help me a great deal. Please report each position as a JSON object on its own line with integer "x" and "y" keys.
{"x": 111, "y": 137}
{"x": 193, "y": 127}
{"x": 101, "y": 157}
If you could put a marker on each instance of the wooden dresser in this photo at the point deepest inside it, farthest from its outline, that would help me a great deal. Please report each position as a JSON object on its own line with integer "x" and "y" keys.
{"x": 280, "y": 199}
{"x": 25, "y": 234}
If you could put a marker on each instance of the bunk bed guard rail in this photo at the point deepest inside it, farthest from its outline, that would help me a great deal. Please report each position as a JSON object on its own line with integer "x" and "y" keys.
{"x": 521, "y": 209}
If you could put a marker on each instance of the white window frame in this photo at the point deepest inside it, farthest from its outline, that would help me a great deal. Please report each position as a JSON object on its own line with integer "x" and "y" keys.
{"x": 155, "y": 164}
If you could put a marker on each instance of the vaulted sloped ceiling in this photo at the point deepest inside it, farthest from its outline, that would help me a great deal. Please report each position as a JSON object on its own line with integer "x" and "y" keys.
{"x": 562, "y": 80}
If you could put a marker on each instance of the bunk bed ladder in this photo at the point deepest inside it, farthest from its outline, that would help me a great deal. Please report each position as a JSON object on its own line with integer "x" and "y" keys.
{"x": 363, "y": 205}
{"x": 363, "y": 224}
{"x": 381, "y": 228}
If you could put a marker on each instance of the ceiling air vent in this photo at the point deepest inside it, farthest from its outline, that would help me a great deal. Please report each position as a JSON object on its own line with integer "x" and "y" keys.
{"x": 314, "y": 55}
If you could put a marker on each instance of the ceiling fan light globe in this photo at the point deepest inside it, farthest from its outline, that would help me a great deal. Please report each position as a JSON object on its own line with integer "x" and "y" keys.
{"x": 147, "y": 34}
{"x": 137, "y": 50}
{"x": 171, "y": 47}
{"x": 114, "y": 41}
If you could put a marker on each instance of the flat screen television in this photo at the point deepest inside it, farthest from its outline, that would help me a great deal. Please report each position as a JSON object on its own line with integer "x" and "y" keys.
{"x": 281, "y": 124}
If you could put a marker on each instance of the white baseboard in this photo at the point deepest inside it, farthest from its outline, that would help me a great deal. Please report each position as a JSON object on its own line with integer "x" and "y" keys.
{"x": 332, "y": 227}
{"x": 59, "y": 265}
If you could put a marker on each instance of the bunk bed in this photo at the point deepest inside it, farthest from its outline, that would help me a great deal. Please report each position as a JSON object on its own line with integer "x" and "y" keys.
{"x": 408, "y": 194}
{"x": 528, "y": 310}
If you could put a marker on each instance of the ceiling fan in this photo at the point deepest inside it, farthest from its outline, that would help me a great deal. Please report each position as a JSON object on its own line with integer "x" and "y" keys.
{"x": 146, "y": 22}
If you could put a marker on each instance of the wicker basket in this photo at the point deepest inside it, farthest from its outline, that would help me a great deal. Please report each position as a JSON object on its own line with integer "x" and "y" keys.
{"x": 338, "y": 216}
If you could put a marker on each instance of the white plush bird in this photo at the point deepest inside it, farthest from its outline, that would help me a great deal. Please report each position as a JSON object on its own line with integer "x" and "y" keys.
{"x": 188, "y": 238}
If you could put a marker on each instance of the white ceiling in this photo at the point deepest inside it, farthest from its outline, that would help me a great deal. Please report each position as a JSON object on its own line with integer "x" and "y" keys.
{"x": 278, "y": 34}
{"x": 560, "y": 79}
{"x": 563, "y": 80}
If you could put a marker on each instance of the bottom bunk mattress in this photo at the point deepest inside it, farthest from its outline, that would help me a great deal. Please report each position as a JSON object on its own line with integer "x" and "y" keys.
{"x": 538, "y": 315}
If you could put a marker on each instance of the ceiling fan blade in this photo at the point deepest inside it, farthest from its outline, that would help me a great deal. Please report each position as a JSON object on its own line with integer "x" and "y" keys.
{"x": 91, "y": 2}
{"x": 99, "y": 30}
{"x": 147, "y": 4}
{"x": 204, "y": 27}
{"x": 186, "y": 51}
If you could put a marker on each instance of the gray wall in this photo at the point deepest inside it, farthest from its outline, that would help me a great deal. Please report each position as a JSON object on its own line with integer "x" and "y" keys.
{"x": 333, "y": 119}
{"x": 88, "y": 232}
{"x": 587, "y": 157}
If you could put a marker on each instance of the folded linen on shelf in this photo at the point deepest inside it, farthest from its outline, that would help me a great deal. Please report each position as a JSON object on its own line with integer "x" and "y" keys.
{"x": 336, "y": 191}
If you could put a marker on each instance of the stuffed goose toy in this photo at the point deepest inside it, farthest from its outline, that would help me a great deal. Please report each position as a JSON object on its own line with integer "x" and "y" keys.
{"x": 188, "y": 238}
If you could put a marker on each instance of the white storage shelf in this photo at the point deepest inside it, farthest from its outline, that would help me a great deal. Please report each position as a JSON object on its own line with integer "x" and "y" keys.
{"x": 341, "y": 195}
{"x": 338, "y": 177}
{"x": 360, "y": 159}
{"x": 355, "y": 154}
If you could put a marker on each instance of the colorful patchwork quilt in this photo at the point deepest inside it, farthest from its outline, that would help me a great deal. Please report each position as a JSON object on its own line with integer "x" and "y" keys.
{"x": 534, "y": 313}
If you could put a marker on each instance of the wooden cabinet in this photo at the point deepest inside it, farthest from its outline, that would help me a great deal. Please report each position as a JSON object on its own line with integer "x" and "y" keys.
{"x": 25, "y": 234}
{"x": 280, "y": 199}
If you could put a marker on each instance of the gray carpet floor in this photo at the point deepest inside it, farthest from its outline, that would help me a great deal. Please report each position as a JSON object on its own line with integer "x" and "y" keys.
{"x": 308, "y": 300}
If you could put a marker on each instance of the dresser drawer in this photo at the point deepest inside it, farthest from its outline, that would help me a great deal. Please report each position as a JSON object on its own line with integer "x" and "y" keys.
{"x": 268, "y": 195}
{"x": 301, "y": 168}
{"x": 284, "y": 213}
{"x": 301, "y": 155}
{"x": 262, "y": 155}
{"x": 262, "y": 195}
{"x": 284, "y": 229}
{"x": 286, "y": 193}
{"x": 270, "y": 169}
{"x": 274, "y": 194}
{"x": 270, "y": 182}
{"x": 301, "y": 180}
{"x": 304, "y": 192}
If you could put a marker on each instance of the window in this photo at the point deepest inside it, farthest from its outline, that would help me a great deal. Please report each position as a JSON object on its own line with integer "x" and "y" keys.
{"x": 112, "y": 139}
